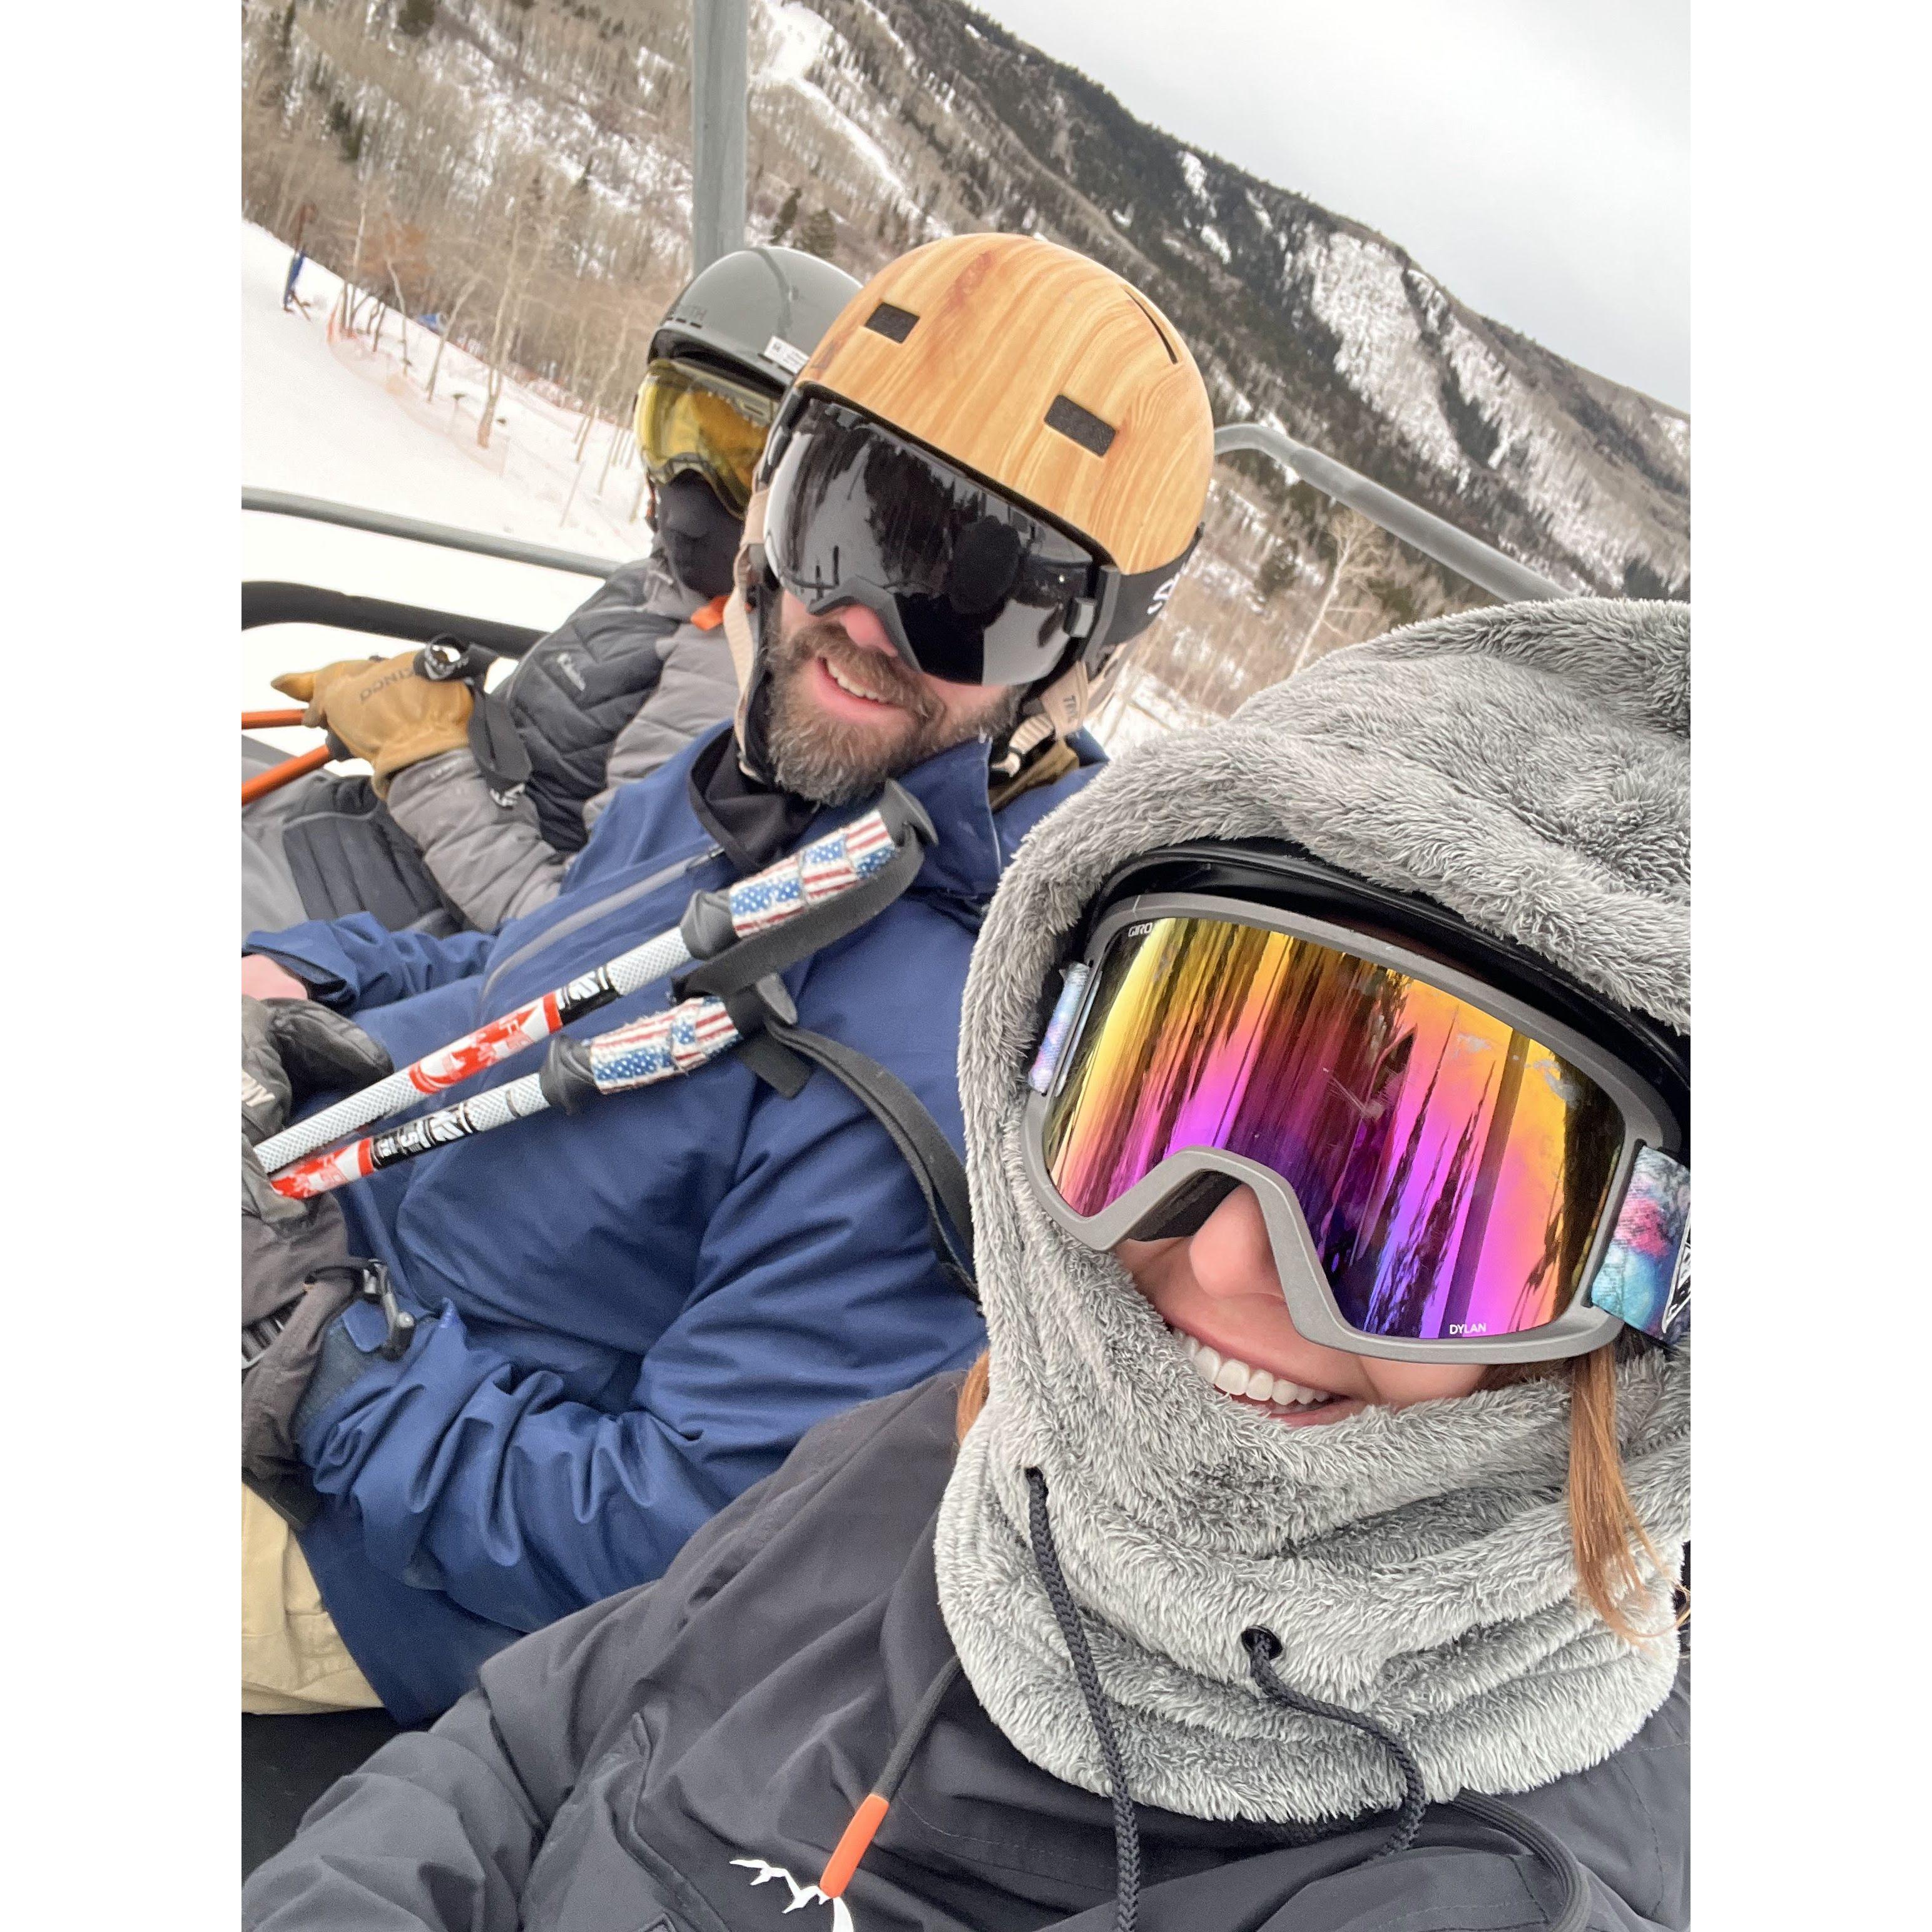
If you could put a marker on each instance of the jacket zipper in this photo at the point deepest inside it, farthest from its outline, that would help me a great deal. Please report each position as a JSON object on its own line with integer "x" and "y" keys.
{"x": 585, "y": 915}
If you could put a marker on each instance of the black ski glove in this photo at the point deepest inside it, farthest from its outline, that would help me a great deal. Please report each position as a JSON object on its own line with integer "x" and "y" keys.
{"x": 291, "y": 1050}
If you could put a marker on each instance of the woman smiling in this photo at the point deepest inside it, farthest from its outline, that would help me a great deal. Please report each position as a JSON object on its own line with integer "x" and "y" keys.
{"x": 1302, "y": 1553}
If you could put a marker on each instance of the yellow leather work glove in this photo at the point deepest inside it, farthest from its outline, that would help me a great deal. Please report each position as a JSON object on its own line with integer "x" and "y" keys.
{"x": 383, "y": 711}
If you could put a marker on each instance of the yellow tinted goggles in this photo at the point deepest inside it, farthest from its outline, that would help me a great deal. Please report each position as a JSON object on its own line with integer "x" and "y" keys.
{"x": 691, "y": 418}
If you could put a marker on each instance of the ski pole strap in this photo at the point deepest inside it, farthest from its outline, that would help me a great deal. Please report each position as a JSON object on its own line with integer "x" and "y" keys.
{"x": 499, "y": 751}
{"x": 824, "y": 892}
{"x": 777, "y": 1054}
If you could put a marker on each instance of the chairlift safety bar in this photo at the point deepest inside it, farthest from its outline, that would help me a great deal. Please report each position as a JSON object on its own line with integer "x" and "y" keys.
{"x": 1481, "y": 563}
{"x": 281, "y": 503}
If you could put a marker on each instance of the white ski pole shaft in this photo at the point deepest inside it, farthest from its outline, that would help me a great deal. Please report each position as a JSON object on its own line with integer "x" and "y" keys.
{"x": 826, "y": 869}
{"x": 478, "y": 1115}
{"x": 639, "y": 1053}
{"x": 462, "y": 1059}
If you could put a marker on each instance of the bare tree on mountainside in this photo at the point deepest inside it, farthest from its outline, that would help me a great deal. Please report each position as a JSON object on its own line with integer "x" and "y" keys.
{"x": 526, "y": 214}
{"x": 884, "y": 125}
{"x": 447, "y": 319}
{"x": 1358, "y": 553}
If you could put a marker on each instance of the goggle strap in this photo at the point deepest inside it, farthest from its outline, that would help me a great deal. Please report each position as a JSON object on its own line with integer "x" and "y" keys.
{"x": 1644, "y": 1277}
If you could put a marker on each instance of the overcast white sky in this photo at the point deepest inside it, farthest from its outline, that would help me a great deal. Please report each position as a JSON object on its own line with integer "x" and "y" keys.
{"x": 1533, "y": 155}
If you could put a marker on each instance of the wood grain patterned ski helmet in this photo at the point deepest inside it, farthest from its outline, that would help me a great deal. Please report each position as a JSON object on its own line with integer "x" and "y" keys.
{"x": 1002, "y": 450}
{"x": 1042, "y": 372}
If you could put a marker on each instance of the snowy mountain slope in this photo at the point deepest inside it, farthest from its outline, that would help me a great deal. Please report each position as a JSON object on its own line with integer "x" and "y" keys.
{"x": 892, "y": 121}
{"x": 889, "y": 122}
{"x": 1297, "y": 315}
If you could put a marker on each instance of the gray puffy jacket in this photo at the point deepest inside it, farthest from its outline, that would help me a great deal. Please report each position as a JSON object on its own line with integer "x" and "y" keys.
{"x": 626, "y": 681}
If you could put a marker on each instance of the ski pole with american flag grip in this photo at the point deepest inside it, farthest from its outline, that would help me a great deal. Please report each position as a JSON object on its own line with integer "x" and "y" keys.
{"x": 879, "y": 851}
{"x": 639, "y": 1053}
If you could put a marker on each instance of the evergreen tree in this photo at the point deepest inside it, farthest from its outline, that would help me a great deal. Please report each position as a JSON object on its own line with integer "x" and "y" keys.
{"x": 820, "y": 234}
{"x": 786, "y": 215}
{"x": 415, "y": 18}
{"x": 1277, "y": 571}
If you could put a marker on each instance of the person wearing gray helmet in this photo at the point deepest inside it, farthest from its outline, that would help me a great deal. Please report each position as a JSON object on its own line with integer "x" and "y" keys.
{"x": 1302, "y": 1553}
{"x": 627, "y": 681}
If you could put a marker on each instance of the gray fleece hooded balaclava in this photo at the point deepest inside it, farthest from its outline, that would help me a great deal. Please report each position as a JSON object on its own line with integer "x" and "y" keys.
{"x": 1528, "y": 768}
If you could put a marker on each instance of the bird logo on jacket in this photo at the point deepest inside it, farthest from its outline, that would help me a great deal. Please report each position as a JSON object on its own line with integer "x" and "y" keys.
{"x": 801, "y": 1895}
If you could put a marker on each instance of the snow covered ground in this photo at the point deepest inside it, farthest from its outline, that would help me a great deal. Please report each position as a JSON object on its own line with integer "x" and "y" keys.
{"x": 331, "y": 417}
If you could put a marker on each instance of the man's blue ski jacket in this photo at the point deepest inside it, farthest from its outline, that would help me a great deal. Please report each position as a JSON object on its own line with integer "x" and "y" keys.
{"x": 629, "y": 1314}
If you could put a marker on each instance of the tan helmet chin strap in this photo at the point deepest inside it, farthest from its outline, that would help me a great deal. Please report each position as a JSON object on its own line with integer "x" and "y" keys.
{"x": 1035, "y": 752}
{"x": 738, "y": 635}
{"x": 739, "y": 638}
{"x": 1065, "y": 704}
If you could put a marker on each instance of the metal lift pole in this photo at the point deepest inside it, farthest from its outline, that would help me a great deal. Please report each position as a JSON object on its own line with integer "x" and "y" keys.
{"x": 719, "y": 79}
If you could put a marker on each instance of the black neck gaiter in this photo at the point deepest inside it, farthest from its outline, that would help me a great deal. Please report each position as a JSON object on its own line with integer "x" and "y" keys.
{"x": 699, "y": 534}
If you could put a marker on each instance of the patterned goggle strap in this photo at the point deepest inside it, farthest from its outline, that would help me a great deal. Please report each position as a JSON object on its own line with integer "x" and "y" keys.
{"x": 822, "y": 870}
{"x": 1053, "y": 1045}
{"x": 661, "y": 1045}
{"x": 1644, "y": 1277}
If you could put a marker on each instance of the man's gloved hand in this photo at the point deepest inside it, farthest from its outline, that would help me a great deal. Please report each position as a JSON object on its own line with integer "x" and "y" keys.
{"x": 291, "y": 1050}
{"x": 294, "y": 1049}
{"x": 379, "y": 710}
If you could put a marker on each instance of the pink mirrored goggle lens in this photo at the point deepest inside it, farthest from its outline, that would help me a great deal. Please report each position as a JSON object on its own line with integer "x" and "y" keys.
{"x": 1453, "y": 1171}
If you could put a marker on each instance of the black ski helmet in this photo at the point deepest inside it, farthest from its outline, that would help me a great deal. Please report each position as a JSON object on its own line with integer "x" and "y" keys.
{"x": 724, "y": 354}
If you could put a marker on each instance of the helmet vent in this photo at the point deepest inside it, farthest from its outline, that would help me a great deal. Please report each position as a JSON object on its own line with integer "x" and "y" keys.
{"x": 1157, "y": 329}
{"x": 1082, "y": 426}
{"x": 894, "y": 324}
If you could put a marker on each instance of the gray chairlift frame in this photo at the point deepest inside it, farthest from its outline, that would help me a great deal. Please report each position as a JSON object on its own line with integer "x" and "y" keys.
{"x": 1481, "y": 563}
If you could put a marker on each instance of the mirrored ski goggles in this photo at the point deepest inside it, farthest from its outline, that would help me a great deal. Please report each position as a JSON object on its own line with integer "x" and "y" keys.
{"x": 971, "y": 588}
{"x": 1446, "y": 1175}
{"x": 694, "y": 419}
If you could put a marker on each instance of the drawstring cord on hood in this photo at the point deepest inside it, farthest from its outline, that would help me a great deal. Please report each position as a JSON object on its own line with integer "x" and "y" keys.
{"x": 1127, "y": 1826}
{"x": 1262, "y": 1646}
{"x": 1551, "y": 1852}
{"x": 856, "y": 1838}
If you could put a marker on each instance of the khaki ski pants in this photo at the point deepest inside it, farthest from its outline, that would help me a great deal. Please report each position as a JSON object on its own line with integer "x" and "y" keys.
{"x": 293, "y": 1661}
